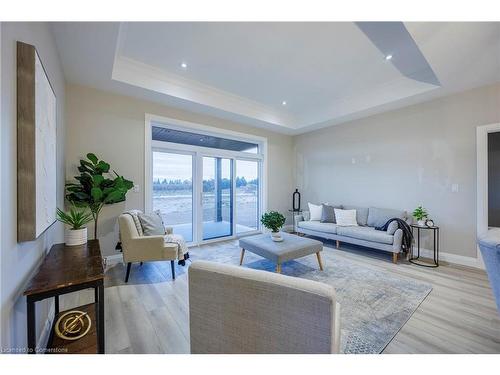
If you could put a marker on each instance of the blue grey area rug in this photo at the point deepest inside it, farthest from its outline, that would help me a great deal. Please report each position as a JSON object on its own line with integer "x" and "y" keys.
{"x": 374, "y": 304}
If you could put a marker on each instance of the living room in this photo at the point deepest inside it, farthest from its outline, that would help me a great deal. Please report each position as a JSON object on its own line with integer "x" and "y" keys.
{"x": 245, "y": 189}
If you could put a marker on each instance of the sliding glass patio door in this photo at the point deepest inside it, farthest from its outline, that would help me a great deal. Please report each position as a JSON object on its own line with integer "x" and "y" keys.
{"x": 205, "y": 187}
{"x": 173, "y": 191}
{"x": 247, "y": 196}
{"x": 217, "y": 197}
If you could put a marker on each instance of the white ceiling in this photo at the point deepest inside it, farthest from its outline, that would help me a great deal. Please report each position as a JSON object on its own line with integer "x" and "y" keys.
{"x": 327, "y": 73}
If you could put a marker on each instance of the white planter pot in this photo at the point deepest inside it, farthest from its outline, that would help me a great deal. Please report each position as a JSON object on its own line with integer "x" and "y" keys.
{"x": 73, "y": 237}
{"x": 276, "y": 236}
{"x": 421, "y": 223}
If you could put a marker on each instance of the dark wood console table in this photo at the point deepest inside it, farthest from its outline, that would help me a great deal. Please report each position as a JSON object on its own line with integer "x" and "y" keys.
{"x": 64, "y": 270}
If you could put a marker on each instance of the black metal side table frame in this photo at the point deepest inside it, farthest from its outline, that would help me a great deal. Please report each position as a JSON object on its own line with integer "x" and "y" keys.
{"x": 97, "y": 285}
{"x": 294, "y": 213}
{"x": 435, "y": 232}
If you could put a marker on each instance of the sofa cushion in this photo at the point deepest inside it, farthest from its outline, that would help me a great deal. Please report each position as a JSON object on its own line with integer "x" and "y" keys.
{"x": 346, "y": 217}
{"x": 379, "y": 216}
{"x": 328, "y": 214}
{"x": 361, "y": 214}
{"x": 366, "y": 233}
{"x": 315, "y": 211}
{"x": 318, "y": 226}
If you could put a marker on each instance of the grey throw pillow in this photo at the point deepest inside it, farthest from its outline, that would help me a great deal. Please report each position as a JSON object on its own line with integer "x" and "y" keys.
{"x": 328, "y": 213}
{"x": 152, "y": 225}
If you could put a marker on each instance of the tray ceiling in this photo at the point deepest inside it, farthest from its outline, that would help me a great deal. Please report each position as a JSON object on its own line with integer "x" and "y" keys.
{"x": 289, "y": 77}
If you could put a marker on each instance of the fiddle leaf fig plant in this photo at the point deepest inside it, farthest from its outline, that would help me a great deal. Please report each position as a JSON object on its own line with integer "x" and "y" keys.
{"x": 96, "y": 187}
{"x": 273, "y": 220}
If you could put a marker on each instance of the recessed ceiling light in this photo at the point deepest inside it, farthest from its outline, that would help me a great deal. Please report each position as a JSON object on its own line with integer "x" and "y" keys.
{"x": 184, "y": 65}
{"x": 283, "y": 102}
{"x": 388, "y": 57}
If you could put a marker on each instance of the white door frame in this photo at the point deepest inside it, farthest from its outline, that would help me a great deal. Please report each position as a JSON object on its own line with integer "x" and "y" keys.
{"x": 482, "y": 179}
{"x": 194, "y": 170}
{"x": 1, "y": 176}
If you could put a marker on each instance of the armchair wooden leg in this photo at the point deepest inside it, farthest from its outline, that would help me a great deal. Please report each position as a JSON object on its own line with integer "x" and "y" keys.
{"x": 173, "y": 269}
{"x": 395, "y": 258}
{"x": 141, "y": 263}
{"x": 129, "y": 264}
{"x": 337, "y": 243}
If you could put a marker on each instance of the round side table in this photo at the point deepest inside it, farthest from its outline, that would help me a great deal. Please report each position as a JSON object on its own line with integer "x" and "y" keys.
{"x": 435, "y": 233}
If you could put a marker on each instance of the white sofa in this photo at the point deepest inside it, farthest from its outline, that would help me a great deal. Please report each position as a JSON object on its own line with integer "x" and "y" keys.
{"x": 364, "y": 234}
{"x": 239, "y": 310}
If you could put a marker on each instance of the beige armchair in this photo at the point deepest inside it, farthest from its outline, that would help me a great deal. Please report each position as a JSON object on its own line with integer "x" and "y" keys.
{"x": 137, "y": 248}
{"x": 240, "y": 310}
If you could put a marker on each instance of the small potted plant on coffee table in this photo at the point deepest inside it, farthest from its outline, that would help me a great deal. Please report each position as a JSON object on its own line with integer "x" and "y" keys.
{"x": 420, "y": 214}
{"x": 76, "y": 234}
{"x": 273, "y": 221}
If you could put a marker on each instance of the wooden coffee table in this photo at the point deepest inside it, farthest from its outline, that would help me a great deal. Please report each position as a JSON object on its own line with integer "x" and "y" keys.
{"x": 292, "y": 247}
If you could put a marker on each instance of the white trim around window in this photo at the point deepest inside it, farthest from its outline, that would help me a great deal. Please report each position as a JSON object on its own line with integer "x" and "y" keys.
{"x": 150, "y": 145}
{"x": 482, "y": 181}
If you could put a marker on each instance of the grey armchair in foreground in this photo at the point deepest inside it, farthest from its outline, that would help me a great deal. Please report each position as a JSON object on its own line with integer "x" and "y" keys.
{"x": 489, "y": 243}
{"x": 239, "y": 310}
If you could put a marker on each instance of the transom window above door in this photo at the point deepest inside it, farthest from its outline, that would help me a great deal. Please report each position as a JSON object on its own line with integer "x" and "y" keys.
{"x": 195, "y": 139}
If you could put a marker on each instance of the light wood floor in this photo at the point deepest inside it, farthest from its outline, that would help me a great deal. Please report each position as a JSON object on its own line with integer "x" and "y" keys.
{"x": 150, "y": 313}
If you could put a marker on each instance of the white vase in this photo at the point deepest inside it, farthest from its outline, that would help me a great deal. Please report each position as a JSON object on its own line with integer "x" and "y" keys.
{"x": 421, "y": 223}
{"x": 73, "y": 237}
{"x": 276, "y": 236}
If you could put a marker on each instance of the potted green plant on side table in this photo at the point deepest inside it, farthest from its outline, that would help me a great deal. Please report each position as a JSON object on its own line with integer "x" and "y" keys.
{"x": 420, "y": 214}
{"x": 273, "y": 221}
{"x": 76, "y": 234}
{"x": 96, "y": 187}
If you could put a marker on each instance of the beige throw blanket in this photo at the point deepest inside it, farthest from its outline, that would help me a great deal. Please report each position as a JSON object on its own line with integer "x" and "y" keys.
{"x": 181, "y": 244}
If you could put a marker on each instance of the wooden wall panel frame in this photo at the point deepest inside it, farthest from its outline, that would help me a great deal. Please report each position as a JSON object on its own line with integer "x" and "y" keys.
{"x": 26, "y": 142}
{"x": 26, "y": 163}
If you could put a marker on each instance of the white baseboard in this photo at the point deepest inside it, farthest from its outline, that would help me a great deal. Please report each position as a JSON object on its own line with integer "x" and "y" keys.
{"x": 453, "y": 258}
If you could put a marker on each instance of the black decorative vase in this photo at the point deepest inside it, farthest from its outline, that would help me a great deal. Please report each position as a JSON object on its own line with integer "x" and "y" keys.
{"x": 296, "y": 200}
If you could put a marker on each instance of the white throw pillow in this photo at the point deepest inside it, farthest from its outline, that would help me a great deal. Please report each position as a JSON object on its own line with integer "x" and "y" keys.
{"x": 315, "y": 211}
{"x": 346, "y": 218}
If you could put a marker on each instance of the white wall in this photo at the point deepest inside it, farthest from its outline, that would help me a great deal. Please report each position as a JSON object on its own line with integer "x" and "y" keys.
{"x": 1, "y": 180}
{"x": 402, "y": 159}
{"x": 18, "y": 261}
{"x": 112, "y": 126}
